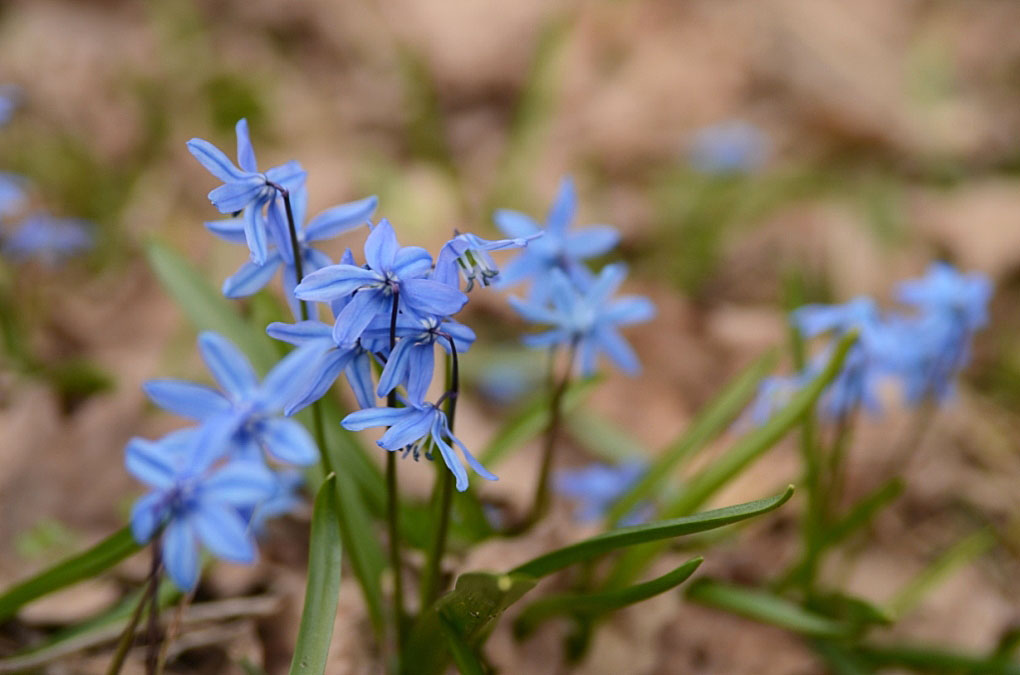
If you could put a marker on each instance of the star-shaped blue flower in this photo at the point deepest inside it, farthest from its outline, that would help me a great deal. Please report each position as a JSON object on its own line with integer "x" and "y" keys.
{"x": 248, "y": 413}
{"x": 48, "y": 239}
{"x": 467, "y": 256}
{"x": 247, "y": 190}
{"x": 195, "y": 501}
{"x": 560, "y": 248}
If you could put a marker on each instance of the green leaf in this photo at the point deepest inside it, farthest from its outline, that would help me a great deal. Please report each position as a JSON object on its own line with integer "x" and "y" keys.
{"x": 638, "y": 534}
{"x": 206, "y": 308}
{"x": 467, "y": 661}
{"x": 852, "y": 610}
{"x": 99, "y": 558}
{"x": 931, "y": 659}
{"x": 323, "y": 585}
{"x": 599, "y": 603}
{"x": 840, "y": 660}
{"x": 864, "y": 511}
{"x": 602, "y": 437}
{"x": 531, "y": 421}
{"x": 716, "y": 475}
{"x": 471, "y": 609}
{"x": 712, "y": 421}
{"x": 764, "y": 607}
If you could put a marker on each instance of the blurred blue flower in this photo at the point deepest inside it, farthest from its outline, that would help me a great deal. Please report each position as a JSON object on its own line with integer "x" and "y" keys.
{"x": 252, "y": 277}
{"x": 951, "y": 308}
{"x": 195, "y": 501}
{"x": 12, "y": 194}
{"x": 248, "y": 191}
{"x": 558, "y": 249}
{"x": 394, "y": 274}
{"x": 597, "y": 487}
{"x": 247, "y": 414}
{"x": 467, "y": 256}
{"x": 418, "y": 430}
{"x": 774, "y": 393}
{"x": 588, "y": 319}
{"x": 505, "y": 382}
{"x": 48, "y": 239}
{"x": 729, "y": 147}
{"x": 284, "y": 499}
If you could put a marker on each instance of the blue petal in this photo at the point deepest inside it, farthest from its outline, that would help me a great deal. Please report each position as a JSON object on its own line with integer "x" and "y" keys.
{"x": 255, "y": 233}
{"x": 534, "y": 313}
{"x": 288, "y": 377}
{"x": 146, "y": 517}
{"x": 412, "y": 261}
{"x": 562, "y": 210}
{"x": 375, "y": 417}
{"x": 288, "y": 441}
{"x": 187, "y": 399}
{"x": 279, "y": 230}
{"x": 240, "y": 483}
{"x": 452, "y": 462}
{"x": 515, "y": 224}
{"x": 381, "y": 247}
{"x": 629, "y": 309}
{"x": 228, "y": 365}
{"x": 587, "y": 242}
{"x": 475, "y": 465}
{"x": 335, "y": 281}
{"x": 245, "y": 153}
{"x": 214, "y": 160}
{"x": 431, "y": 297}
{"x": 150, "y": 463}
{"x": 334, "y": 362}
{"x": 233, "y": 196}
{"x": 618, "y": 350}
{"x": 251, "y": 278}
{"x": 289, "y": 175}
{"x": 607, "y": 282}
{"x": 359, "y": 312}
{"x": 180, "y": 554}
{"x": 411, "y": 428}
{"x": 395, "y": 370}
{"x": 359, "y": 376}
{"x": 420, "y": 366}
{"x": 300, "y": 332}
{"x": 548, "y": 338}
{"x": 224, "y": 533}
{"x": 229, "y": 229}
{"x": 338, "y": 219}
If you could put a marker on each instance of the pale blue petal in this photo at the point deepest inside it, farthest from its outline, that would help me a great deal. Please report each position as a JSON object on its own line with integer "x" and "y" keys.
{"x": 431, "y": 297}
{"x": 515, "y": 224}
{"x": 288, "y": 377}
{"x": 359, "y": 312}
{"x": 217, "y": 163}
{"x": 339, "y": 219}
{"x": 251, "y": 278}
{"x": 228, "y": 365}
{"x": 412, "y": 427}
{"x": 395, "y": 370}
{"x": 420, "y": 365}
{"x": 233, "y": 196}
{"x": 255, "y": 233}
{"x": 333, "y": 363}
{"x": 288, "y": 441}
{"x": 618, "y": 350}
{"x": 629, "y": 309}
{"x": 289, "y": 175}
{"x": 180, "y": 554}
{"x": 381, "y": 247}
{"x": 241, "y": 483}
{"x": 334, "y": 282}
{"x": 245, "y": 153}
{"x": 562, "y": 210}
{"x": 150, "y": 463}
{"x": 229, "y": 229}
{"x": 359, "y": 377}
{"x": 374, "y": 417}
{"x": 146, "y": 516}
{"x": 224, "y": 533}
{"x": 300, "y": 332}
{"x": 412, "y": 261}
{"x": 187, "y": 399}
{"x": 587, "y": 242}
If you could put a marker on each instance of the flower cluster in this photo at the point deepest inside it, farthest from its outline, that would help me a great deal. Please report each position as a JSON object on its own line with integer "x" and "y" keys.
{"x": 578, "y": 305}
{"x": 38, "y": 235}
{"x": 922, "y": 349}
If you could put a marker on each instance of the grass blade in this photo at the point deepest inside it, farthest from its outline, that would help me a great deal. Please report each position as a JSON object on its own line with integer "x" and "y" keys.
{"x": 638, "y": 534}
{"x": 599, "y": 603}
{"x": 467, "y": 661}
{"x": 322, "y": 587}
{"x": 99, "y": 558}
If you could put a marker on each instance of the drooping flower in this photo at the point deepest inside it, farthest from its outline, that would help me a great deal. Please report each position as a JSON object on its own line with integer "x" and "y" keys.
{"x": 588, "y": 319}
{"x": 729, "y": 147}
{"x": 417, "y": 430}
{"x": 248, "y": 191}
{"x": 597, "y": 487}
{"x": 252, "y": 277}
{"x": 559, "y": 248}
{"x": 393, "y": 276}
{"x": 48, "y": 239}
{"x": 467, "y": 256}
{"x": 195, "y": 501}
{"x": 247, "y": 413}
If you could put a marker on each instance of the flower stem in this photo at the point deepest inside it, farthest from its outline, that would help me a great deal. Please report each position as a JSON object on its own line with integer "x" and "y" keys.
{"x": 393, "y": 505}
{"x": 127, "y": 637}
{"x": 442, "y": 495}
{"x": 541, "y": 501}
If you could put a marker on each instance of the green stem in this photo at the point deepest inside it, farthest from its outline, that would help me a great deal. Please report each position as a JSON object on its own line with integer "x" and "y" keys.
{"x": 127, "y": 638}
{"x": 442, "y": 494}
{"x": 812, "y": 526}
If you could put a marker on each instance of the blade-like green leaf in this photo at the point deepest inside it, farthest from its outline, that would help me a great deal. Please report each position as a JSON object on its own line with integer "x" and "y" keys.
{"x": 764, "y": 607}
{"x": 709, "y": 480}
{"x": 322, "y": 587}
{"x": 99, "y": 558}
{"x": 839, "y": 659}
{"x": 850, "y": 609}
{"x": 958, "y": 555}
{"x": 530, "y": 422}
{"x": 206, "y": 308}
{"x": 637, "y": 534}
{"x": 467, "y": 661}
{"x": 712, "y": 421}
{"x": 471, "y": 608}
{"x": 602, "y": 438}
{"x": 932, "y": 659}
{"x": 599, "y": 603}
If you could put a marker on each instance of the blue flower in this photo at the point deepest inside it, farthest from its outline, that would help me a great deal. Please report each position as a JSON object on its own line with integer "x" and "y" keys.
{"x": 354, "y": 361}
{"x": 952, "y": 307}
{"x": 417, "y": 430}
{"x": 252, "y": 277}
{"x": 394, "y": 274}
{"x": 247, "y": 190}
{"x": 48, "y": 239}
{"x": 558, "y": 249}
{"x": 597, "y": 487}
{"x": 247, "y": 414}
{"x": 467, "y": 256}
{"x": 284, "y": 499}
{"x": 12, "y": 194}
{"x": 195, "y": 501}
{"x": 729, "y": 147}
{"x": 773, "y": 394}
{"x": 588, "y": 319}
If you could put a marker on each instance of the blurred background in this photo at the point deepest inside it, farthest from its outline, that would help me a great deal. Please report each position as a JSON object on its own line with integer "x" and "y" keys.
{"x": 755, "y": 154}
